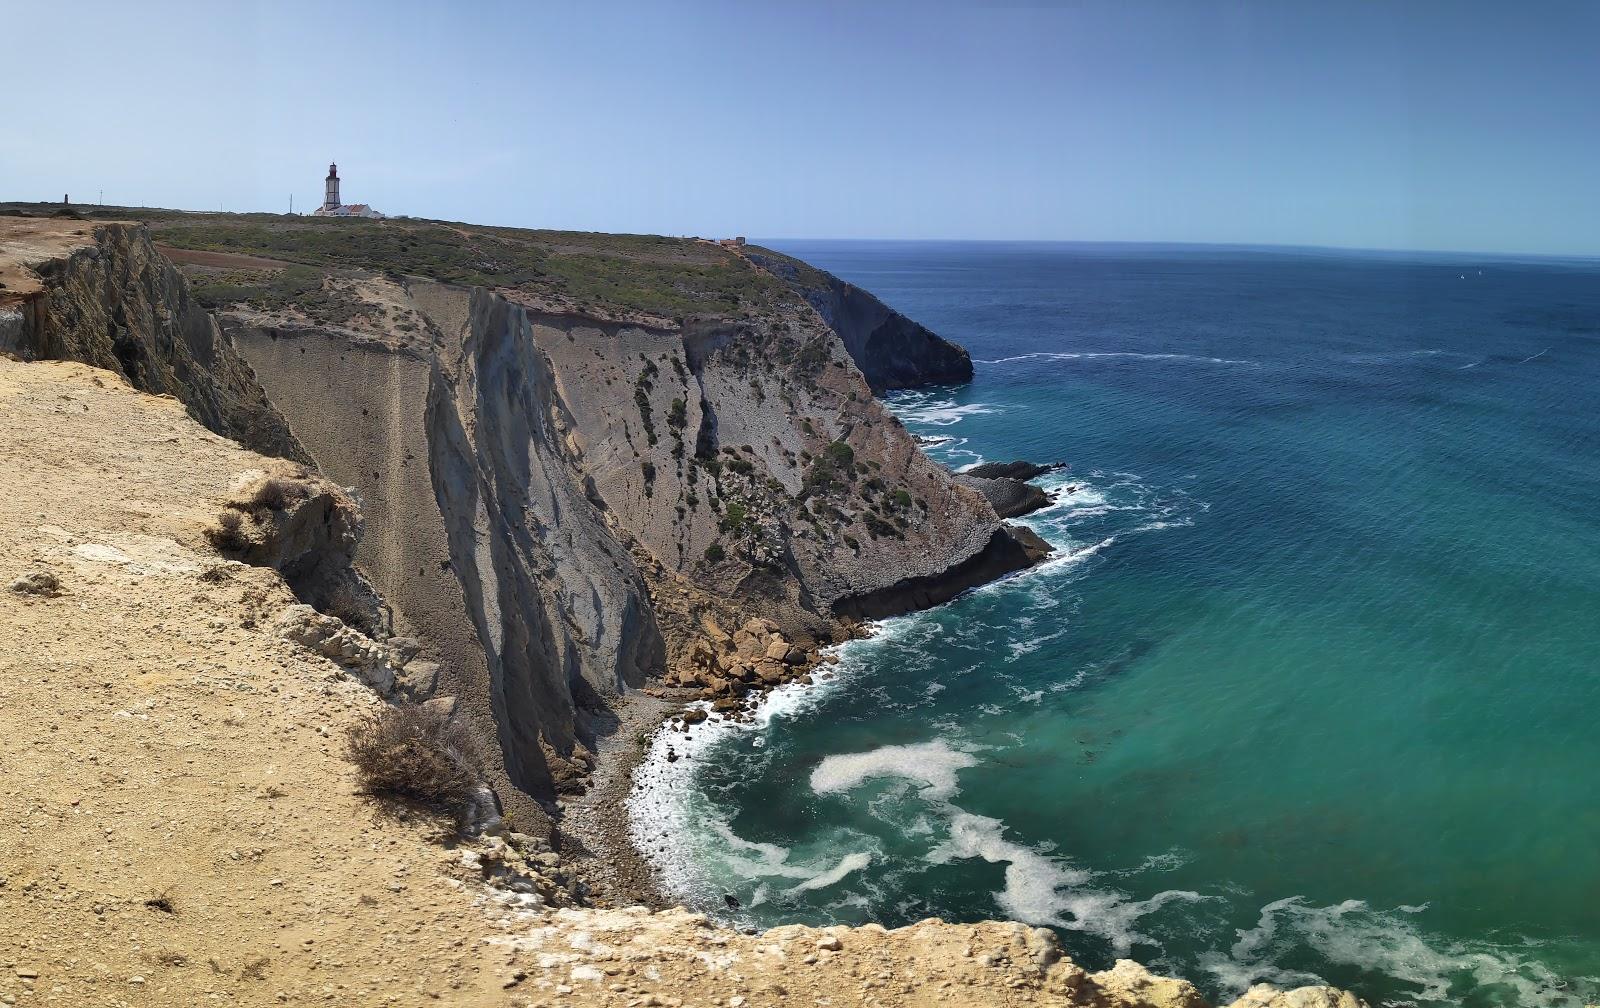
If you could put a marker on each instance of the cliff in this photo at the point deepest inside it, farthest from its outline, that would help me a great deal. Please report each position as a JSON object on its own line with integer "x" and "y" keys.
{"x": 892, "y": 351}
{"x": 185, "y": 640}
{"x": 590, "y": 460}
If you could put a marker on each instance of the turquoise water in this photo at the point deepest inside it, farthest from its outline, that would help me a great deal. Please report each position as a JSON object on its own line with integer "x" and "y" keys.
{"x": 1309, "y": 690}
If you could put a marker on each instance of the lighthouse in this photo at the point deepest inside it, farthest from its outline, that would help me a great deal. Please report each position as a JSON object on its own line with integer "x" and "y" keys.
{"x": 331, "y": 207}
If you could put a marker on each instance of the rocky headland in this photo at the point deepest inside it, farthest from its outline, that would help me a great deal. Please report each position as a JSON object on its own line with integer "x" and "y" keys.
{"x": 281, "y": 473}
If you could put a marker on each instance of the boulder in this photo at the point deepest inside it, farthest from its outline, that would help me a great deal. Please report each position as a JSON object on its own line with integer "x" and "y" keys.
{"x": 1129, "y": 984}
{"x": 778, "y": 650}
{"x": 339, "y": 643}
{"x": 42, "y": 583}
{"x": 772, "y": 673}
{"x": 1009, "y": 497}
{"x": 749, "y": 645}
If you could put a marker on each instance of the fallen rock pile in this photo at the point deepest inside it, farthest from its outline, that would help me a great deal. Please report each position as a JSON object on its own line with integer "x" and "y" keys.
{"x": 728, "y": 668}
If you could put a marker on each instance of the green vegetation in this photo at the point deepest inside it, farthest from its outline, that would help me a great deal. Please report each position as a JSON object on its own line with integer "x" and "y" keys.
{"x": 734, "y": 517}
{"x": 802, "y": 272}
{"x": 641, "y": 395}
{"x": 880, "y": 528}
{"x": 834, "y": 469}
{"x": 275, "y": 290}
{"x": 666, "y": 277}
{"x": 714, "y": 553}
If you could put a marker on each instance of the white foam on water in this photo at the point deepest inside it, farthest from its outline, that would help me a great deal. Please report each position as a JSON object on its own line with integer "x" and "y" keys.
{"x": 933, "y": 764}
{"x": 1071, "y": 557}
{"x": 1044, "y": 891}
{"x": 1170, "y": 860}
{"x": 928, "y": 409}
{"x": 1157, "y": 526}
{"x": 1353, "y": 934}
{"x": 665, "y": 806}
{"x": 1019, "y": 649}
{"x": 1118, "y": 355}
{"x": 847, "y": 864}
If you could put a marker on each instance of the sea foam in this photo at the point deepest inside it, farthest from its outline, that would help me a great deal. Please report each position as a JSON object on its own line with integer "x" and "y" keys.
{"x": 1118, "y": 355}
{"x": 1355, "y": 935}
{"x": 934, "y": 764}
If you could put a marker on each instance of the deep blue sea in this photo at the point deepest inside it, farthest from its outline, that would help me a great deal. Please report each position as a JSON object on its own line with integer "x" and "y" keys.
{"x": 1309, "y": 691}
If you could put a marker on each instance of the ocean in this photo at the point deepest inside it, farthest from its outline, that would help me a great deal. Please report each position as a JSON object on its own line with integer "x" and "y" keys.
{"x": 1308, "y": 692}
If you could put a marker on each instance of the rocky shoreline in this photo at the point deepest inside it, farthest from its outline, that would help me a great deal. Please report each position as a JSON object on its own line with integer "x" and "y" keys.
{"x": 593, "y": 830}
{"x": 731, "y": 671}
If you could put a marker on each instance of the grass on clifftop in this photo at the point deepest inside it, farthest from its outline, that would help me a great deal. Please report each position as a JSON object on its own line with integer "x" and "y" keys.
{"x": 661, "y": 276}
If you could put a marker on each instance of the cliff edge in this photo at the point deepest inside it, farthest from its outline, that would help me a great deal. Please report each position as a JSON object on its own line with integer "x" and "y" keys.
{"x": 892, "y": 351}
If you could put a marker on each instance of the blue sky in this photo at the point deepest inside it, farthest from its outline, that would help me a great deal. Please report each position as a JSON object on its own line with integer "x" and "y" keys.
{"x": 1462, "y": 125}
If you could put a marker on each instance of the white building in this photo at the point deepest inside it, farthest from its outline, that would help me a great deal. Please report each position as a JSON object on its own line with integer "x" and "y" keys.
{"x": 331, "y": 207}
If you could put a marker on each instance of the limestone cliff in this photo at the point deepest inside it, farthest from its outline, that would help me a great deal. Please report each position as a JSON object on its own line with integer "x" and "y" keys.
{"x": 892, "y": 351}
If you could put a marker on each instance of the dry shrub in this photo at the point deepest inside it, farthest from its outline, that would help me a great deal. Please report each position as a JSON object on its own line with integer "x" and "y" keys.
{"x": 276, "y": 493}
{"x": 420, "y": 752}
{"x": 228, "y": 535}
{"x": 344, "y": 602}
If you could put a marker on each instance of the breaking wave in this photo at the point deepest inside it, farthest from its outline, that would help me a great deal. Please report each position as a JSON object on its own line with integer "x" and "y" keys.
{"x": 1118, "y": 355}
{"x": 1351, "y": 934}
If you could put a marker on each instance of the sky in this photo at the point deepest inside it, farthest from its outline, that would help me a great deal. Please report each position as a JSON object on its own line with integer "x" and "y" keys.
{"x": 1411, "y": 125}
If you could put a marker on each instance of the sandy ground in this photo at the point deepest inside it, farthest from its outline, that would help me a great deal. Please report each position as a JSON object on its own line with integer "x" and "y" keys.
{"x": 181, "y": 826}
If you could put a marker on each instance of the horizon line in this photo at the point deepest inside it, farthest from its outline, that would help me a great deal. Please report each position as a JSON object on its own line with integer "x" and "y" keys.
{"x": 1396, "y": 250}
{"x": 1246, "y": 245}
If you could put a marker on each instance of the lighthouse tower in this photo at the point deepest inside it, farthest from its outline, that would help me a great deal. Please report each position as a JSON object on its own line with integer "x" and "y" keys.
{"x": 331, "y": 200}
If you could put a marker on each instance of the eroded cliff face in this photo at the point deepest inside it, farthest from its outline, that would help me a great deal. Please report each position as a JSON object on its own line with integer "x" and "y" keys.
{"x": 607, "y": 496}
{"x": 892, "y": 351}
{"x": 563, "y": 616}
{"x": 752, "y": 461}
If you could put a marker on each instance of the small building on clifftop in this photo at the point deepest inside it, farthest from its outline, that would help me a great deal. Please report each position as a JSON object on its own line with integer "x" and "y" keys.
{"x": 331, "y": 207}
